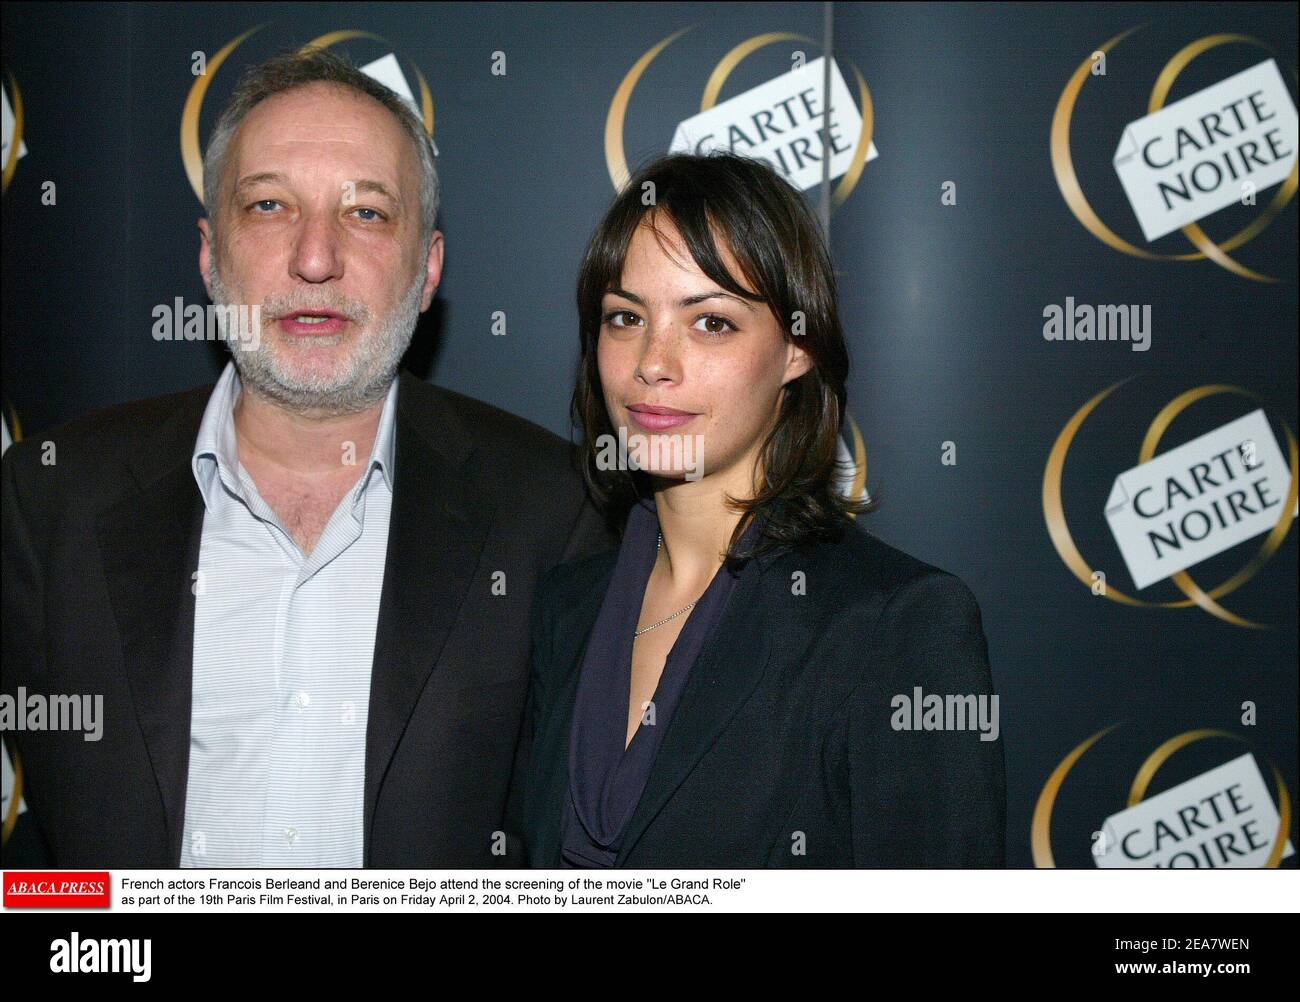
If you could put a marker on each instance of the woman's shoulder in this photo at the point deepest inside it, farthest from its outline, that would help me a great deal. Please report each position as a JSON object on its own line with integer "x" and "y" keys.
{"x": 864, "y": 564}
{"x": 872, "y": 580}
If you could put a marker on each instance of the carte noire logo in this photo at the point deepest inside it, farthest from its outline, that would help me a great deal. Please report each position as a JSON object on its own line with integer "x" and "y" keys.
{"x": 780, "y": 121}
{"x": 1223, "y": 818}
{"x": 1171, "y": 511}
{"x": 1182, "y": 162}
{"x": 386, "y": 70}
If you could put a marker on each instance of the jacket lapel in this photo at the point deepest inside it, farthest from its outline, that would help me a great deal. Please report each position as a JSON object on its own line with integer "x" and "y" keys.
{"x": 724, "y": 675}
{"x": 550, "y": 752}
{"x": 149, "y": 548}
{"x": 436, "y": 532}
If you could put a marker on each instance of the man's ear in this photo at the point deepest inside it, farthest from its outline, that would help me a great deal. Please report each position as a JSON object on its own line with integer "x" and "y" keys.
{"x": 797, "y": 362}
{"x": 205, "y": 252}
{"x": 432, "y": 270}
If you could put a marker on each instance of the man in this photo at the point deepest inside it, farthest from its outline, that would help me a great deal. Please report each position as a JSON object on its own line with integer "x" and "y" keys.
{"x": 303, "y": 595}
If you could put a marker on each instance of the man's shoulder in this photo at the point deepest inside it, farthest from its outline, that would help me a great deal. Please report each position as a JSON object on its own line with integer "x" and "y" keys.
{"x": 102, "y": 437}
{"x": 505, "y": 436}
{"x": 572, "y": 590}
{"x": 92, "y": 462}
{"x": 566, "y": 582}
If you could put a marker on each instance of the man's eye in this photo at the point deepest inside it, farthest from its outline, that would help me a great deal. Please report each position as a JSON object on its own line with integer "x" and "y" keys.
{"x": 621, "y": 318}
{"x": 264, "y": 201}
{"x": 375, "y": 214}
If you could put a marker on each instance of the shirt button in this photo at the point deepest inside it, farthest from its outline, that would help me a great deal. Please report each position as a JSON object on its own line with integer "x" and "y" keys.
{"x": 291, "y": 835}
{"x": 303, "y": 700}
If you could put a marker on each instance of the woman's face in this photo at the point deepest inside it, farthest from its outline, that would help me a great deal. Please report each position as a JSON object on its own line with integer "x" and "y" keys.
{"x": 670, "y": 338}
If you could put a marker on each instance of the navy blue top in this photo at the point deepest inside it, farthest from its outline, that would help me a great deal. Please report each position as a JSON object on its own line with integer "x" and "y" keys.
{"x": 605, "y": 780}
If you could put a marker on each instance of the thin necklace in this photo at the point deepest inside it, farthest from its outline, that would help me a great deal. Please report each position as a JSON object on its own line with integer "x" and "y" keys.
{"x": 675, "y": 614}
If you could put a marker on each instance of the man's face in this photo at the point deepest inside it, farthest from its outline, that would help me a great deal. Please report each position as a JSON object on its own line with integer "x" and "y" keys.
{"x": 319, "y": 216}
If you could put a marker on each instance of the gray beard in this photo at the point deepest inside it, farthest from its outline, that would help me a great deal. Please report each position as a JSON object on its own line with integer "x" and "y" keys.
{"x": 366, "y": 378}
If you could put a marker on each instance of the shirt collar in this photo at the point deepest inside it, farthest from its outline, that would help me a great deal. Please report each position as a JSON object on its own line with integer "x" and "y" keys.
{"x": 216, "y": 448}
{"x": 382, "y": 452}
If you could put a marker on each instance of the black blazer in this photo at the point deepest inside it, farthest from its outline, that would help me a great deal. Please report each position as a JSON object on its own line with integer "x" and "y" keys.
{"x": 783, "y": 739}
{"x": 98, "y": 552}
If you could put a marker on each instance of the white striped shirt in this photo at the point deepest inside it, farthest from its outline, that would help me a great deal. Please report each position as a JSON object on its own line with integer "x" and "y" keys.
{"x": 283, "y": 647}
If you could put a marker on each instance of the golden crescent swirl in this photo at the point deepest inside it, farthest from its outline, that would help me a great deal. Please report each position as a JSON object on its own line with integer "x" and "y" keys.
{"x": 733, "y": 58}
{"x": 16, "y": 140}
{"x": 1063, "y": 164}
{"x": 1193, "y": 232}
{"x": 1059, "y": 530}
{"x": 1054, "y": 509}
{"x": 615, "y": 159}
{"x": 859, "y": 458}
{"x": 334, "y": 37}
{"x": 850, "y": 179}
{"x": 1068, "y": 182}
{"x": 1040, "y": 841}
{"x": 1276, "y": 535}
{"x": 1041, "y": 826}
{"x": 1146, "y": 773}
{"x": 15, "y": 798}
{"x": 190, "y": 153}
{"x": 191, "y": 157}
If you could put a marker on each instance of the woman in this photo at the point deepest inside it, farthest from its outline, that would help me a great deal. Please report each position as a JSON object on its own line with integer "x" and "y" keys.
{"x": 729, "y": 688}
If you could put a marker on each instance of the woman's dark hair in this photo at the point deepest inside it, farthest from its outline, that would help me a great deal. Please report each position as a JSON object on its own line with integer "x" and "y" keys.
{"x": 767, "y": 226}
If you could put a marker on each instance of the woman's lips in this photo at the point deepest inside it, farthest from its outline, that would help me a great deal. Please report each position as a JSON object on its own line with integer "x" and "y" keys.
{"x": 659, "y": 422}
{"x": 330, "y": 325}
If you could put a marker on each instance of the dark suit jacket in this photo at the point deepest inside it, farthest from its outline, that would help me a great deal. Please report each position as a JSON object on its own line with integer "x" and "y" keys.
{"x": 783, "y": 739}
{"x": 98, "y": 553}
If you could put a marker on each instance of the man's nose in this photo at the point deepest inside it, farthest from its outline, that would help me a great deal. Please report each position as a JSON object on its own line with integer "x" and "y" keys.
{"x": 316, "y": 256}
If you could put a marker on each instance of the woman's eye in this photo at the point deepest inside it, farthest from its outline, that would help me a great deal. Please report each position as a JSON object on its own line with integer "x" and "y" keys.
{"x": 715, "y": 325}
{"x": 621, "y": 318}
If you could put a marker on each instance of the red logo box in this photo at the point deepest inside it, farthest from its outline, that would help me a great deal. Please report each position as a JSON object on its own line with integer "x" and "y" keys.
{"x": 56, "y": 889}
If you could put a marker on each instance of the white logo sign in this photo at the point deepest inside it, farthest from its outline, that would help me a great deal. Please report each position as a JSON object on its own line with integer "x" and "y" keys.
{"x": 387, "y": 71}
{"x": 1195, "y": 156}
{"x": 1222, "y": 819}
{"x": 7, "y": 128}
{"x": 1199, "y": 499}
{"x": 781, "y": 122}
